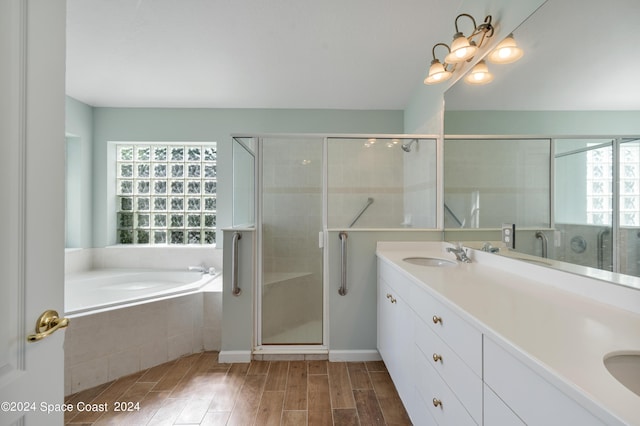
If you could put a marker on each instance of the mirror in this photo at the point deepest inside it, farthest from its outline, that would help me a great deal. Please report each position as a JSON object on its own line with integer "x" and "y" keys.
{"x": 576, "y": 88}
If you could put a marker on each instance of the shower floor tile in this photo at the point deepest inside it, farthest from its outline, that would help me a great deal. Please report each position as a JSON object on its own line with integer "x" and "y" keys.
{"x": 197, "y": 390}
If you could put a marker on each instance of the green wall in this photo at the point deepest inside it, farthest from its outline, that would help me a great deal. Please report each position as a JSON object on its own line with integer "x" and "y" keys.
{"x": 79, "y": 147}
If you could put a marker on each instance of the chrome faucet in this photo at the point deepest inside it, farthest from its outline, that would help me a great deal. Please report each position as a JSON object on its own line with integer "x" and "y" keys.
{"x": 461, "y": 254}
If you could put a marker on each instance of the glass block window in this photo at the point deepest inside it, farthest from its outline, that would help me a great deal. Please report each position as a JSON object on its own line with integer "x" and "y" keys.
{"x": 599, "y": 186}
{"x": 166, "y": 193}
{"x": 629, "y": 171}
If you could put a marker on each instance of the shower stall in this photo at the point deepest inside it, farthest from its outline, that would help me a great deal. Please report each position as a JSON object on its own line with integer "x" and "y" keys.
{"x": 295, "y": 189}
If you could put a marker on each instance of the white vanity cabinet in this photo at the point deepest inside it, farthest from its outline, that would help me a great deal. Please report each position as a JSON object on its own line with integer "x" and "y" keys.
{"x": 449, "y": 369}
{"x": 433, "y": 356}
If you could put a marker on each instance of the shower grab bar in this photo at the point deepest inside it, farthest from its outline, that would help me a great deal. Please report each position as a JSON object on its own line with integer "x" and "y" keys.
{"x": 600, "y": 256}
{"x": 343, "y": 250}
{"x": 541, "y": 236}
{"x": 366, "y": 206}
{"x": 235, "y": 290}
{"x": 453, "y": 215}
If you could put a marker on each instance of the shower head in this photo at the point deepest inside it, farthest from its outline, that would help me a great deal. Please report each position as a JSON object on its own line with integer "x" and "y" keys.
{"x": 406, "y": 147}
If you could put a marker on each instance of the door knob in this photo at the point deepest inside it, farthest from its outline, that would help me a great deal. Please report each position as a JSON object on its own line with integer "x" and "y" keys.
{"x": 47, "y": 323}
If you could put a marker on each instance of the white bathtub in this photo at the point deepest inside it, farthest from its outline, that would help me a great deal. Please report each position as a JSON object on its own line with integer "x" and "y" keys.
{"x": 104, "y": 289}
{"x": 128, "y": 320}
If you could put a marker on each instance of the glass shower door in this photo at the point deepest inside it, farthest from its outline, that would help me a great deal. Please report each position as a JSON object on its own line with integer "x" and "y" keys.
{"x": 584, "y": 208}
{"x": 292, "y": 295}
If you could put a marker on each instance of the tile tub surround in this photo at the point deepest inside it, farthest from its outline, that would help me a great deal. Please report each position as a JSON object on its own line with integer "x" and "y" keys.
{"x": 554, "y": 322}
{"x": 155, "y": 257}
{"x": 104, "y": 346}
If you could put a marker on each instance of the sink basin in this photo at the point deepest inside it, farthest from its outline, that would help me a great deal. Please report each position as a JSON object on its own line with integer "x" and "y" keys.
{"x": 626, "y": 369}
{"x": 429, "y": 261}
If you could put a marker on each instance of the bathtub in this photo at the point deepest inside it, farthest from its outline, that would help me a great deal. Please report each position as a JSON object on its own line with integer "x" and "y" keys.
{"x": 103, "y": 289}
{"x": 127, "y": 320}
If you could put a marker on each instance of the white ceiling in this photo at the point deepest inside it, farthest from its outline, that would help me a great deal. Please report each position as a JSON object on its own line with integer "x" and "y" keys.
{"x": 579, "y": 55}
{"x": 355, "y": 54}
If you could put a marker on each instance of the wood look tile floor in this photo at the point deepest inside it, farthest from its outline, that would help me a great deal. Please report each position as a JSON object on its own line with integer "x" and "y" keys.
{"x": 197, "y": 390}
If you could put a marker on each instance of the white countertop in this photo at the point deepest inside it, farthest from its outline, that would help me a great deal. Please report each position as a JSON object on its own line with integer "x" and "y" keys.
{"x": 561, "y": 335}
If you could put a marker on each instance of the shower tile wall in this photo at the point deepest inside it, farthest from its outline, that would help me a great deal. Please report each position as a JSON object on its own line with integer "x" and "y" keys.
{"x": 359, "y": 170}
{"x": 420, "y": 185}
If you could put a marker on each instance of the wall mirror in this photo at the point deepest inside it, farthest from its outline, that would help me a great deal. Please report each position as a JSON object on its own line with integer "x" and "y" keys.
{"x": 551, "y": 144}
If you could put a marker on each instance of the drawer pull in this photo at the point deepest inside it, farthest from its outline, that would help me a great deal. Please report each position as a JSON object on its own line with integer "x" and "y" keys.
{"x": 437, "y": 357}
{"x": 389, "y": 296}
{"x": 437, "y": 402}
{"x": 436, "y": 319}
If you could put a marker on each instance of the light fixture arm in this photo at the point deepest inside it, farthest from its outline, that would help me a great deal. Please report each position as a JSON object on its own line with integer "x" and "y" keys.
{"x": 433, "y": 50}
{"x": 486, "y": 28}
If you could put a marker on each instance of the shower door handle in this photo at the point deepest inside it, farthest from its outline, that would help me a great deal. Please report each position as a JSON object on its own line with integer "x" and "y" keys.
{"x": 235, "y": 290}
{"x": 342, "y": 291}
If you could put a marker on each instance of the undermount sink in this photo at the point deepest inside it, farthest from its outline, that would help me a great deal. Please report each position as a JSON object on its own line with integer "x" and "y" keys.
{"x": 626, "y": 369}
{"x": 429, "y": 261}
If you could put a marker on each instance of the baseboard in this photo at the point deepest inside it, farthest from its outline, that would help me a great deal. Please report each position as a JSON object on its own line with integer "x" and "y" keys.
{"x": 228, "y": 357}
{"x": 354, "y": 355}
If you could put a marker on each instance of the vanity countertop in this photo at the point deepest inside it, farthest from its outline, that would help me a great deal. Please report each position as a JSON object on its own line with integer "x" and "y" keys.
{"x": 560, "y": 334}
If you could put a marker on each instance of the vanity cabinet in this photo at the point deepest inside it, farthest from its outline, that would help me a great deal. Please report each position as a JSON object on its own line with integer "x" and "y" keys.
{"x": 448, "y": 372}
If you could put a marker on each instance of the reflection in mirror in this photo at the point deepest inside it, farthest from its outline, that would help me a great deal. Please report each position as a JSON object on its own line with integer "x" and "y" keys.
{"x": 489, "y": 182}
{"x": 590, "y": 120}
{"x": 584, "y": 202}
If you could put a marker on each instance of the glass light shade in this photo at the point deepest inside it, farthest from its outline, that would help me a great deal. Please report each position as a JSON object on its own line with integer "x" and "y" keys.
{"x": 479, "y": 74}
{"x": 437, "y": 73}
{"x": 461, "y": 50}
{"x": 506, "y": 52}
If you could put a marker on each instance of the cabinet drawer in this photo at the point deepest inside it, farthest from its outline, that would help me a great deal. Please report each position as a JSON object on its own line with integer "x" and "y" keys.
{"x": 531, "y": 397}
{"x": 465, "y": 340}
{"x": 464, "y": 383}
{"x": 394, "y": 279}
{"x": 430, "y": 387}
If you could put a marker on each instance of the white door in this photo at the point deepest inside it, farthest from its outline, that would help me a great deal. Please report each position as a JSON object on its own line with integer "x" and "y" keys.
{"x": 32, "y": 67}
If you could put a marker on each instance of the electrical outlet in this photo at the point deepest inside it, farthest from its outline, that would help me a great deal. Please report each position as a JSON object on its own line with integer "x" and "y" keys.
{"x": 509, "y": 235}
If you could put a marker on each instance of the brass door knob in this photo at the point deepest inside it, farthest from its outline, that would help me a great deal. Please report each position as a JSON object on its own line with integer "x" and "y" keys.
{"x": 47, "y": 324}
{"x": 437, "y": 402}
{"x": 437, "y": 357}
{"x": 436, "y": 319}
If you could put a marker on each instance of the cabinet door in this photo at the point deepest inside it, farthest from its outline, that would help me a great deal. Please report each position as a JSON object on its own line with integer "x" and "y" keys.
{"x": 385, "y": 323}
{"x": 535, "y": 400}
{"x": 395, "y": 338}
{"x": 496, "y": 412}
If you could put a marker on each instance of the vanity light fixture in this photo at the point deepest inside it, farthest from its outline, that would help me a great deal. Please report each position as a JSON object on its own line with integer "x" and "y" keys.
{"x": 479, "y": 74}
{"x": 462, "y": 49}
{"x": 506, "y": 52}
